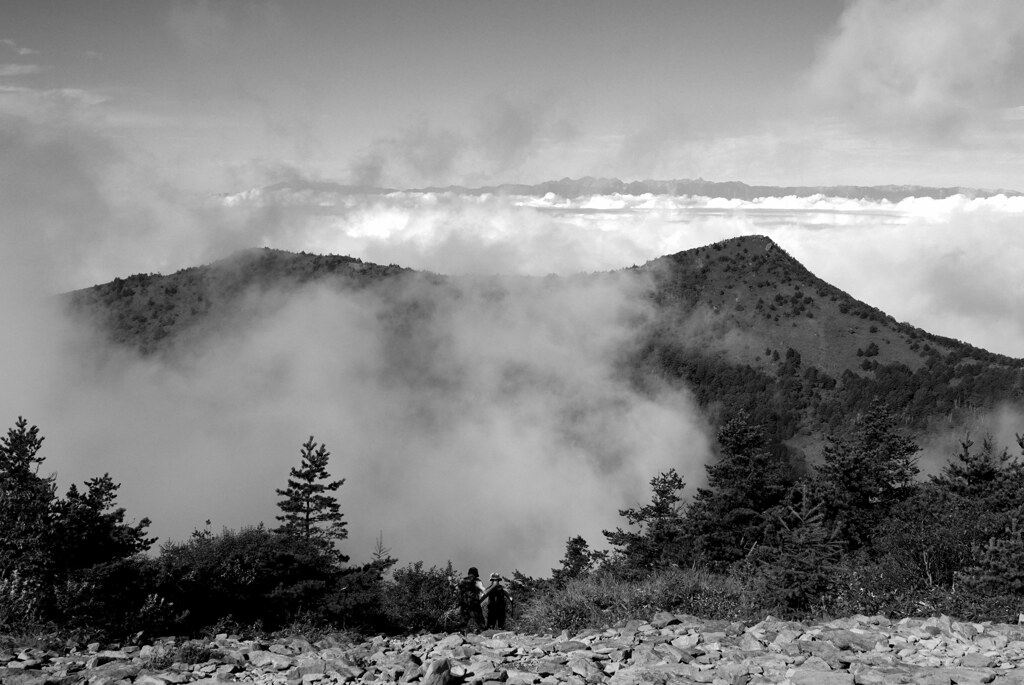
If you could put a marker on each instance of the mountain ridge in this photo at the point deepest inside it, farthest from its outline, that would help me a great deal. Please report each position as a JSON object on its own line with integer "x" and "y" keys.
{"x": 588, "y": 185}
{"x": 740, "y": 323}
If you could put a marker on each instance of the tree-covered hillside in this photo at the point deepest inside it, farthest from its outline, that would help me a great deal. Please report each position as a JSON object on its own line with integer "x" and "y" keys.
{"x": 749, "y": 328}
{"x": 740, "y": 323}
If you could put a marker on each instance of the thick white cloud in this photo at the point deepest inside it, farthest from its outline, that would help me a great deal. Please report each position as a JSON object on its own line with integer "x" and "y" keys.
{"x": 921, "y": 67}
{"x": 487, "y": 433}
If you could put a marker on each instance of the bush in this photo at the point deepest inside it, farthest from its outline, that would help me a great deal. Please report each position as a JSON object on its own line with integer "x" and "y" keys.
{"x": 250, "y": 576}
{"x": 421, "y": 599}
{"x": 603, "y": 599}
{"x": 356, "y": 598}
{"x": 113, "y": 600}
{"x": 19, "y": 601}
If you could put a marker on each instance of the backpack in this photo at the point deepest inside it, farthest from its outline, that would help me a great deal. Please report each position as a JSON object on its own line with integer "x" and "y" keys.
{"x": 469, "y": 593}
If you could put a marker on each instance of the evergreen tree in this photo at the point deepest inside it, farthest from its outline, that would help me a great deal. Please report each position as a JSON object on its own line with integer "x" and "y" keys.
{"x": 89, "y": 528}
{"x": 660, "y": 539}
{"x": 866, "y": 474}
{"x": 71, "y": 557}
{"x": 804, "y": 552}
{"x": 731, "y": 515}
{"x": 579, "y": 560}
{"x": 26, "y": 499}
{"x": 985, "y": 474}
{"x": 1000, "y": 567}
{"x": 310, "y": 512}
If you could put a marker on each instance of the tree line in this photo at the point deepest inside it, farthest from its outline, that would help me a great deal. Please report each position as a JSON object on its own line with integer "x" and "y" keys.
{"x": 860, "y": 533}
{"x": 74, "y": 563}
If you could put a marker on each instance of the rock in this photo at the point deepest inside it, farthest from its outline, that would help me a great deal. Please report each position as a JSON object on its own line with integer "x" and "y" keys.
{"x": 811, "y": 677}
{"x": 668, "y": 649}
{"x": 438, "y": 673}
{"x": 268, "y": 659}
{"x": 855, "y": 640}
{"x": 570, "y": 645}
{"x": 663, "y": 619}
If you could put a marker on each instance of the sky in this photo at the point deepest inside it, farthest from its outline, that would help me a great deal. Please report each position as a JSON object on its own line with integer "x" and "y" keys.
{"x": 142, "y": 137}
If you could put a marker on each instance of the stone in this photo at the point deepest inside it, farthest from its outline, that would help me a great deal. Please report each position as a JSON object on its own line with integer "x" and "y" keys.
{"x": 438, "y": 673}
{"x": 268, "y": 659}
{"x": 855, "y": 640}
{"x": 147, "y": 679}
{"x": 663, "y": 619}
{"x": 802, "y": 676}
{"x": 570, "y": 645}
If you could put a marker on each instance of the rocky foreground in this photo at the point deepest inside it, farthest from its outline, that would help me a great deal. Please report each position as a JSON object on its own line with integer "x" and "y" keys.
{"x": 666, "y": 650}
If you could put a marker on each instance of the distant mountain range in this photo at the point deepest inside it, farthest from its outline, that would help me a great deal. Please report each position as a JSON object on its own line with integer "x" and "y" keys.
{"x": 588, "y": 186}
{"x": 740, "y": 323}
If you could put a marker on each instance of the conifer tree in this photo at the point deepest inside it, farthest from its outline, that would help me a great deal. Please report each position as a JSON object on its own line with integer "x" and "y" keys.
{"x": 985, "y": 474}
{"x": 89, "y": 527}
{"x": 805, "y": 550}
{"x": 731, "y": 515}
{"x": 310, "y": 512}
{"x": 579, "y": 560}
{"x": 866, "y": 474}
{"x": 1000, "y": 567}
{"x": 26, "y": 499}
{"x": 661, "y": 537}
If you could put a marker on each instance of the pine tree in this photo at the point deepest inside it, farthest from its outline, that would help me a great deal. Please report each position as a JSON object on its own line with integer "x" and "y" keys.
{"x": 865, "y": 475}
{"x": 661, "y": 536}
{"x": 1000, "y": 567}
{"x": 747, "y": 481}
{"x": 985, "y": 474}
{"x": 310, "y": 512}
{"x": 26, "y": 499}
{"x": 579, "y": 560}
{"x": 806, "y": 550}
{"x": 89, "y": 528}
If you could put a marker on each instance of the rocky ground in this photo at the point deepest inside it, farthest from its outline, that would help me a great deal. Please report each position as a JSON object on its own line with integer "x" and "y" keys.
{"x": 666, "y": 650}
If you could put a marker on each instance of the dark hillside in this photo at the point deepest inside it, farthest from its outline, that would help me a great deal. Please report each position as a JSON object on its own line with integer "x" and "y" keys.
{"x": 150, "y": 312}
{"x": 747, "y": 326}
{"x": 740, "y": 322}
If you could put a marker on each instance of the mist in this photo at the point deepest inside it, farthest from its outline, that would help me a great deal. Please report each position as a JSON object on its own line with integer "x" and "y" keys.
{"x": 489, "y": 427}
{"x": 482, "y": 422}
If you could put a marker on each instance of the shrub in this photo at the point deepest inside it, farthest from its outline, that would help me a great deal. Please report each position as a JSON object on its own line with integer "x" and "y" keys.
{"x": 1000, "y": 567}
{"x": 19, "y": 601}
{"x": 113, "y": 600}
{"x": 250, "y": 576}
{"x": 603, "y": 599}
{"x": 421, "y": 599}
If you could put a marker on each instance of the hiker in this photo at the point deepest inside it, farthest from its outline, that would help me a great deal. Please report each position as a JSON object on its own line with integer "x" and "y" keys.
{"x": 497, "y": 599}
{"x": 470, "y": 591}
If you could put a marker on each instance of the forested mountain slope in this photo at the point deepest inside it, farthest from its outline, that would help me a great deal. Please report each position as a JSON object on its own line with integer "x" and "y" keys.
{"x": 740, "y": 323}
{"x": 747, "y": 326}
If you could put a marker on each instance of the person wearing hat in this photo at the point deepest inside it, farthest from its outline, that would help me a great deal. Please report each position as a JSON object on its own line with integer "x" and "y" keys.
{"x": 470, "y": 592}
{"x": 496, "y": 598}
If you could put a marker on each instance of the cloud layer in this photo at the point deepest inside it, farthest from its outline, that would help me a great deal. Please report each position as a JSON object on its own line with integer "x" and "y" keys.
{"x": 496, "y": 419}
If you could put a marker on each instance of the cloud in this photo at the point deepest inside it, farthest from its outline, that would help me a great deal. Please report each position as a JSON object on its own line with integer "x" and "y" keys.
{"x": 931, "y": 68}
{"x": 945, "y": 265}
{"x": 503, "y": 137}
{"x": 480, "y": 421}
{"x": 12, "y": 70}
{"x": 508, "y": 377}
{"x": 447, "y": 422}
{"x": 509, "y": 132}
{"x": 23, "y": 51}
